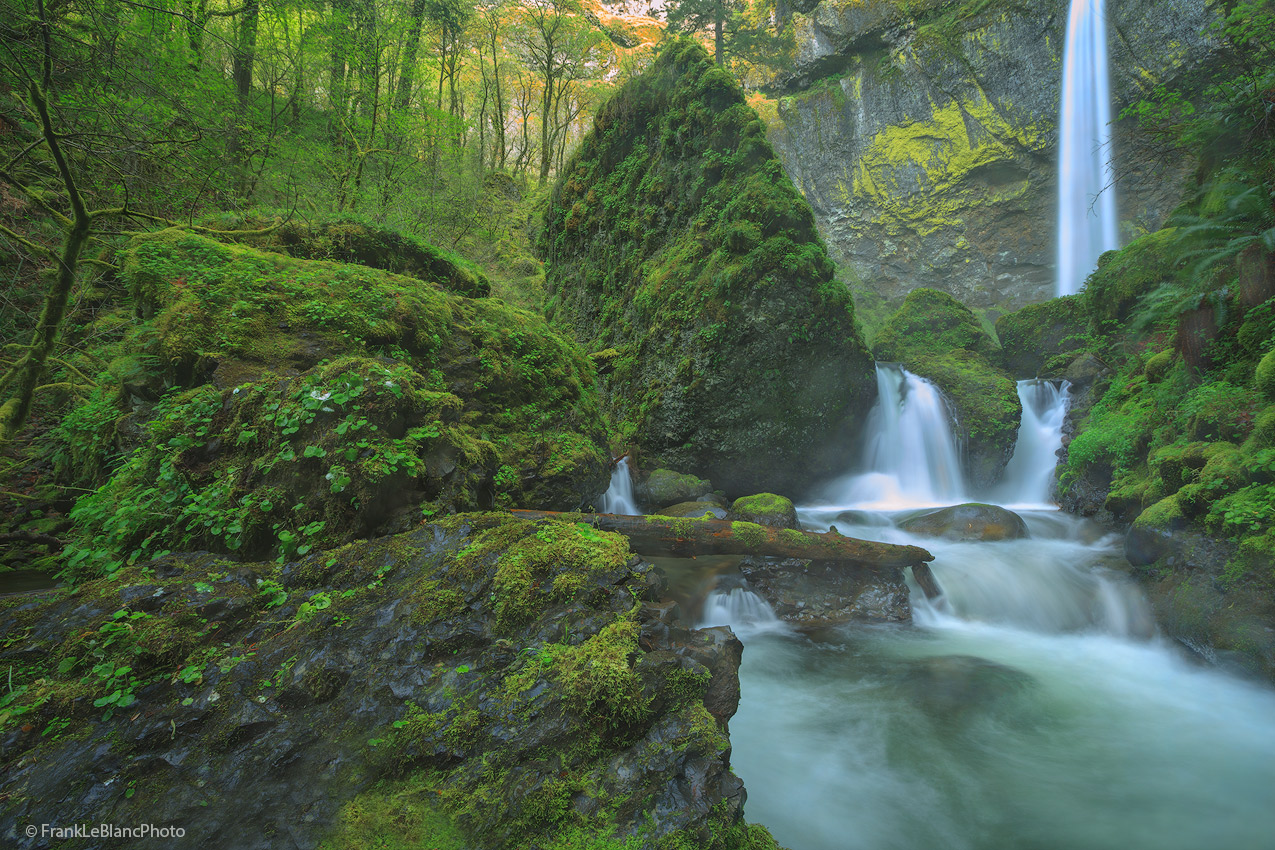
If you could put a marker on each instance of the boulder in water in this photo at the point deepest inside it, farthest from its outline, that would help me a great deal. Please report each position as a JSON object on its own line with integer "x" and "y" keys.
{"x": 817, "y": 594}
{"x": 765, "y": 509}
{"x": 971, "y": 521}
{"x": 693, "y": 510}
{"x": 666, "y": 487}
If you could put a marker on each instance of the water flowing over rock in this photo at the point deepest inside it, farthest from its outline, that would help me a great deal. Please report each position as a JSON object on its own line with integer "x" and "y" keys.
{"x": 968, "y": 522}
{"x": 619, "y": 499}
{"x": 925, "y": 135}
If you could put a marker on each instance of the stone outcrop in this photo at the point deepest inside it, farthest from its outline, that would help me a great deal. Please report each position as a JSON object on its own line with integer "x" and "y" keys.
{"x": 518, "y": 682}
{"x": 677, "y": 245}
{"x": 924, "y": 135}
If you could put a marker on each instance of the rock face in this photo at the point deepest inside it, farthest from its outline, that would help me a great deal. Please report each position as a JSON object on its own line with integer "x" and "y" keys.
{"x": 816, "y": 595}
{"x": 675, "y": 240}
{"x": 925, "y": 135}
{"x": 517, "y": 681}
{"x": 968, "y": 522}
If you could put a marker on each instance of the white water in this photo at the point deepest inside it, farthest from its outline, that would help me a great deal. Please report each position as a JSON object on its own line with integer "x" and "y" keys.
{"x": 1028, "y": 480}
{"x": 1033, "y": 707}
{"x": 911, "y": 456}
{"x": 1086, "y": 203}
{"x": 618, "y": 499}
{"x": 738, "y": 607}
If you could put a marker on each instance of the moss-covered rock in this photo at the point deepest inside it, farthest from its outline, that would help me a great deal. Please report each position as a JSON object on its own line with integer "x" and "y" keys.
{"x": 765, "y": 509}
{"x": 675, "y": 237}
{"x": 1264, "y": 377}
{"x": 347, "y": 238}
{"x": 385, "y": 689}
{"x": 665, "y": 487}
{"x": 1152, "y": 536}
{"x": 935, "y": 336}
{"x": 314, "y": 402}
{"x": 1042, "y": 339}
{"x": 1124, "y": 276}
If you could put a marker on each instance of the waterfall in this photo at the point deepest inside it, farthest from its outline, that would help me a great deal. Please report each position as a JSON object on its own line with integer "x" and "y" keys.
{"x": 737, "y": 607}
{"x": 1086, "y": 203}
{"x": 910, "y": 452}
{"x": 1029, "y": 476}
{"x": 618, "y": 499}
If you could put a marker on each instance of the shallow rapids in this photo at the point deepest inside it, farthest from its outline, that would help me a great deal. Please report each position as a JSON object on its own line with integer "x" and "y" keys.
{"x": 1033, "y": 708}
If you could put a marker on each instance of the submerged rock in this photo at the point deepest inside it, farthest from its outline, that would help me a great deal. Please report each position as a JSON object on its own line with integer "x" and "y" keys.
{"x": 815, "y": 594}
{"x": 518, "y": 680}
{"x": 971, "y": 521}
{"x": 948, "y": 686}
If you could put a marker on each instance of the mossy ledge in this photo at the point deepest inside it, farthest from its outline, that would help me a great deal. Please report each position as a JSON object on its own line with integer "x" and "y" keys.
{"x": 675, "y": 238}
{"x": 481, "y": 682}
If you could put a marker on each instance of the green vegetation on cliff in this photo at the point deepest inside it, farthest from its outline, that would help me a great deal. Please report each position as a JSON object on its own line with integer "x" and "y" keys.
{"x": 676, "y": 239}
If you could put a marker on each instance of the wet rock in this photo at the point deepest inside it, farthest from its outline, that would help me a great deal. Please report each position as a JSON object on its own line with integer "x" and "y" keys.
{"x": 765, "y": 509}
{"x": 971, "y": 521}
{"x": 666, "y": 487}
{"x": 814, "y": 594}
{"x": 402, "y": 660}
{"x": 693, "y": 510}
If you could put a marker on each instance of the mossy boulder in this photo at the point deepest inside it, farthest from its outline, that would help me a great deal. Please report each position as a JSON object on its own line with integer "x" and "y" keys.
{"x": 482, "y": 682}
{"x": 666, "y": 487}
{"x": 765, "y": 509}
{"x": 1158, "y": 365}
{"x": 935, "y": 336}
{"x": 348, "y": 238}
{"x": 693, "y": 510}
{"x": 1264, "y": 377}
{"x": 1124, "y": 276}
{"x": 1154, "y": 534}
{"x": 1042, "y": 339}
{"x": 675, "y": 237}
{"x": 971, "y": 521}
{"x": 315, "y": 402}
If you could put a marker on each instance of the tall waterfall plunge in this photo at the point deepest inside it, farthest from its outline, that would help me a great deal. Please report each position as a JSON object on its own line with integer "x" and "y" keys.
{"x": 1086, "y": 202}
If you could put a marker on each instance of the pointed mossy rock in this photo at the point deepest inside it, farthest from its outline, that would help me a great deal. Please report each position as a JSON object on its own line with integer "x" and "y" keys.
{"x": 937, "y": 337}
{"x": 675, "y": 237}
{"x": 292, "y": 404}
{"x": 510, "y": 682}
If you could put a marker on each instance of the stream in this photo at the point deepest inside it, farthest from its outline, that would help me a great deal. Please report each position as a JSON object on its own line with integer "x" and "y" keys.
{"x": 1034, "y": 706}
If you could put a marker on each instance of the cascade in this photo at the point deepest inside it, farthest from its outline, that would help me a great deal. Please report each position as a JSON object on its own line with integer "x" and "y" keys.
{"x": 910, "y": 452}
{"x": 737, "y": 607}
{"x": 619, "y": 499}
{"x": 1086, "y": 202}
{"x": 1029, "y": 476}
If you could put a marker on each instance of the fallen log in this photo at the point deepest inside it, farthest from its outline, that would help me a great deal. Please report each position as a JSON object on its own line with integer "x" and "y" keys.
{"x": 685, "y": 538}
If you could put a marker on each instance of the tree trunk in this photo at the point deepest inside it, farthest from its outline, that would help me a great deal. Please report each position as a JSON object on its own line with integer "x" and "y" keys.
{"x": 407, "y": 76}
{"x": 672, "y": 537}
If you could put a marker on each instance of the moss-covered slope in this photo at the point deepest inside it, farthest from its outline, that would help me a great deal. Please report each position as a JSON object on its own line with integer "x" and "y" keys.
{"x": 938, "y": 338}
{"x": 675, "y": 239}
{"x": 266, "y": 404}
{"x": 482, "y": 682}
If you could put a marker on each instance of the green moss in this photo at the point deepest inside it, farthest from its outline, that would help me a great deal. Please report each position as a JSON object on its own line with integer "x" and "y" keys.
{"x": 330, "y": 413}
{"x": 1264, "y": 427}
{"x": 749, "y": 533}
{"x": 1158, "y": 365}
{"x": 1264, "y": 379}
{"x": 1042, "y": 334}
{"x": 1162, "y": 516}
{"x": 598, "y": 677}
{"x": 394, "y": 816}
{"x": 675, "y": 237}
{"x": 766, "y": 509}
{"x": 930, "y": 322}
{"x": 1124, "y": 276}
